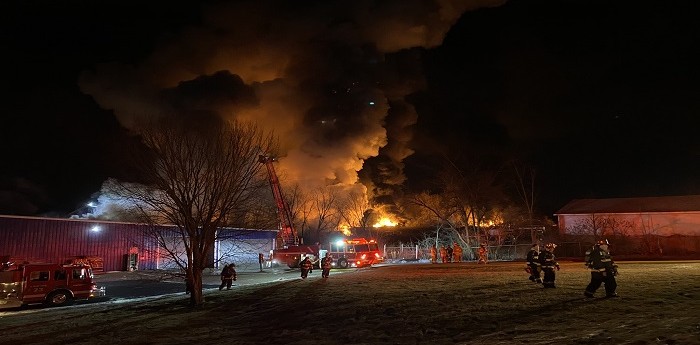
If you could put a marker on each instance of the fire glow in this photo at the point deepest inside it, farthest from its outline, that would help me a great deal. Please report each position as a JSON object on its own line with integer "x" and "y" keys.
{"x": 345, "y": 229}
{"x": 384, "y": 221}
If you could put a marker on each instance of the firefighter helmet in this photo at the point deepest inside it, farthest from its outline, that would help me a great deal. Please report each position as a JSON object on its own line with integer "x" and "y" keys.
{"x": 602, "y": 242}
{"x": 550, "y": 246}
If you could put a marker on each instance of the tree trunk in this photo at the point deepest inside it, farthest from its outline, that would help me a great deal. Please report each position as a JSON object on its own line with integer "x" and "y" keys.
{"x": 196, "y": 296}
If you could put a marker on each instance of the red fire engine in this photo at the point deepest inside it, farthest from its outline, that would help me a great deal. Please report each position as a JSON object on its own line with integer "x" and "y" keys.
{"x": 357, "y": 252}
{"x": 288, "y": 249}
{"x": 51, "y": 284}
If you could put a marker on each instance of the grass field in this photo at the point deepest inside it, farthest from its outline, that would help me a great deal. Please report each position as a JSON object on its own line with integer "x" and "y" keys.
{"x": 403, "y": 304}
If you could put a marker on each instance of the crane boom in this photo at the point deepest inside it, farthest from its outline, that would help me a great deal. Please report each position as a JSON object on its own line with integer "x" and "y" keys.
{"x": 287, "y": 236}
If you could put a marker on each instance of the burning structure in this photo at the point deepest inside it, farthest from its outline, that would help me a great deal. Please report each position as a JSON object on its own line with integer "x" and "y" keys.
{"x": 331, "y": 81}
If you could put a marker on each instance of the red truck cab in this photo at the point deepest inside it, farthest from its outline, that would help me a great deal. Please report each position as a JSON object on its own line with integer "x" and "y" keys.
{"x": 51, "y": 284}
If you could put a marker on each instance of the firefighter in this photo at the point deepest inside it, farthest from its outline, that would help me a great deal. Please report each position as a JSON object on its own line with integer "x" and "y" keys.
{"x": 228, "y": 275}
{"x": 450, "y": 252}
{"x": 261, "y": 260}
{"x": 306, "y": 266}
{"x": 326, "y": 264}
{"x": 548, "y": 263}
{"x": 483, "y": 254}
{"x": 443, "y": 254}
{"x": 433, "y": 255}
{"x": 456, "y": 253}
{"x": 603, "y": 269}
{"x": 533, "y": 263}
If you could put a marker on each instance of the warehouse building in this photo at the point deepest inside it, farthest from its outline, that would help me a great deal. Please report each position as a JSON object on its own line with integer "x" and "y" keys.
{"x": 116, "y": 246}
{"x": 668, "y": 225}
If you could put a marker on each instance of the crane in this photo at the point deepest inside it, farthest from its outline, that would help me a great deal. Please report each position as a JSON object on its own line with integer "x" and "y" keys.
{"x": 288, "y": 249}
{"x": 287, "y": 235}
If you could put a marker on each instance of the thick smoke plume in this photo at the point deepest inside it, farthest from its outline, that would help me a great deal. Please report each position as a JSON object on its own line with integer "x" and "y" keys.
{"x": 329, "y": 78}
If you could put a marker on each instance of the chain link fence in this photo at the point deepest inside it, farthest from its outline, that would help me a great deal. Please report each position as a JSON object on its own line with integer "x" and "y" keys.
{"x": 398, "y": 253}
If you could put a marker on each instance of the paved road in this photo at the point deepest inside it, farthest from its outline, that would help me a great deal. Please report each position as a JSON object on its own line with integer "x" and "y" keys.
{"x": 139, "y": 284}
{"x": 123, "y": 286}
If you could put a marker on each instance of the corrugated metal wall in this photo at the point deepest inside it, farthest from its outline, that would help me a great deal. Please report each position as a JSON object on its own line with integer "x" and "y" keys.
{"x": 234, "y": 245}
{"x": 242, "y": 247}
{"x": 56, "y": 240}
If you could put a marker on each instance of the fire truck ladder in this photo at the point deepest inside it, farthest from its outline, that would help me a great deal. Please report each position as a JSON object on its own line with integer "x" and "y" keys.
{"x": 287, "y": 235}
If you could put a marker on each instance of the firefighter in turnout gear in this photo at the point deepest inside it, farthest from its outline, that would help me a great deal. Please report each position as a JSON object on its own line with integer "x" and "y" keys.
{"x": 228, "y": 275}
{"x": 433, "y": 255}
{"x": 603, "y": 270}
{"x": 483, "y": 254}
{"x": 306, "y": 266}
{"x": 548, "y": 264}
{"x": 533, "y": 263}
{"x": 326, "y": 264}
{"x": 443, "y": 254}
{"x": 456, "y": 252}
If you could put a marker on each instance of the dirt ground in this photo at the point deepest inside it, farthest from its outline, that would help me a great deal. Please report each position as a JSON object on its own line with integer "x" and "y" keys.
{"x": 400, "y": 304}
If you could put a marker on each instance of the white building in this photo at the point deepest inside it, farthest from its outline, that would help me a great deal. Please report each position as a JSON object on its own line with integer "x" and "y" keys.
{"x": 662, "y": 225}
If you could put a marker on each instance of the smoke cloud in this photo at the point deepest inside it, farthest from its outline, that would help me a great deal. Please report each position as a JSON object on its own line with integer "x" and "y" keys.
{"x": 329, "y": 78}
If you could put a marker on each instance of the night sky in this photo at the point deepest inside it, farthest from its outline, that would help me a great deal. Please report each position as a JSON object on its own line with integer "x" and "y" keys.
{"x": 600, "y": 97}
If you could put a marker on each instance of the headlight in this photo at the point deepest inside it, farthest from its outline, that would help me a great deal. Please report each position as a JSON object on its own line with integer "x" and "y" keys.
{"x": 98, "y": 291}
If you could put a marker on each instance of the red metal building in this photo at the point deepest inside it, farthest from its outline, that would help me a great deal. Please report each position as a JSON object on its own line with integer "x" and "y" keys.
{"x": 108, "y": 246}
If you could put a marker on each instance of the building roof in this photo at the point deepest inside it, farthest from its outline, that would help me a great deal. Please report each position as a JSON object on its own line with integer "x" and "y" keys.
{"x": 684, "y": 203}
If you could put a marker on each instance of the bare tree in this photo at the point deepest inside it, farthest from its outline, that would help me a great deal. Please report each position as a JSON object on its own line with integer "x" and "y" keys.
{"x": 261, "y": 214}
{"x": 324, "y": 201}
{"x": 591, "y": 226}
{"x": 307, "y": 210}
{"x": 355, "y": 210}
{"x": 446, "y": 215}
{"x": 596, "y": 226}
{"x": 299, "y": 208}
{"x": 650, "y": 239}
{"x": 437, "y": 209}
{"x": 525, "y": 186}
{"x": 617, "y": 227}
{"x": 475, "y": 193}
{"x": 197, "y": 177}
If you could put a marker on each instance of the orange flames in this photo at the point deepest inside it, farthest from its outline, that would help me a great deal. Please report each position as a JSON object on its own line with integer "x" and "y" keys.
{"x": 345, "y": 229}
{"x": 384, "y": 221}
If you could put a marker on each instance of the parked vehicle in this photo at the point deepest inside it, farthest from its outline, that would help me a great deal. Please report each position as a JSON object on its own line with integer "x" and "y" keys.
{"x": 289, "y": 249}
{"x": 48, "y": 283}
{"x": 356, "y": 252}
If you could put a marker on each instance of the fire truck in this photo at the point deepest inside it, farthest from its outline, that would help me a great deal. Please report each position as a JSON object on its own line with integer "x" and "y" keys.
{"x": 51, "y": 284}
{"x": 357, "y": 252}
{"x": 289, "y": 251}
